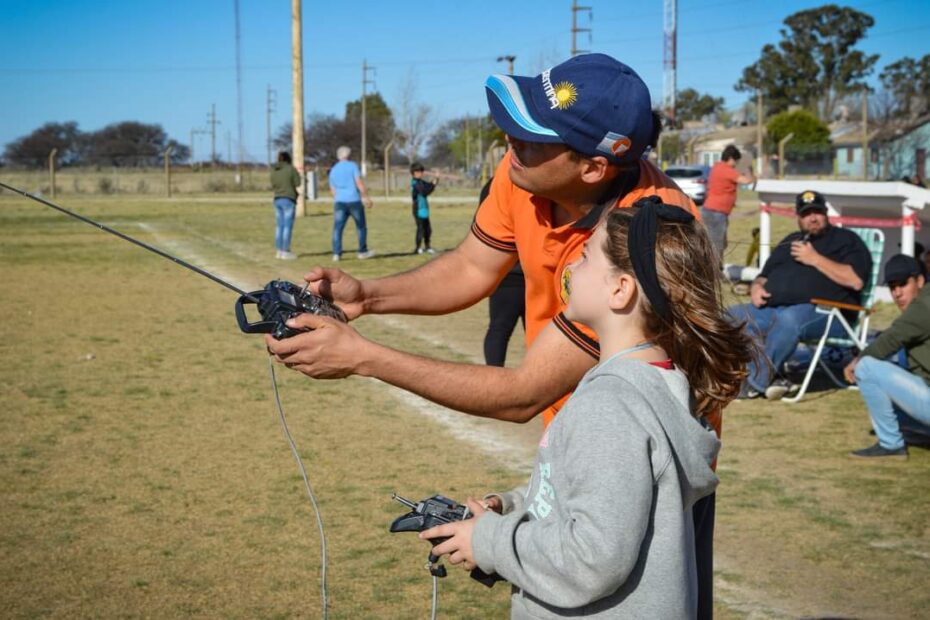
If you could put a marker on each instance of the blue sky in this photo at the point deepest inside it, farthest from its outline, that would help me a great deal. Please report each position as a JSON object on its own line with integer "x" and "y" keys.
{"x": 103, "y": 61}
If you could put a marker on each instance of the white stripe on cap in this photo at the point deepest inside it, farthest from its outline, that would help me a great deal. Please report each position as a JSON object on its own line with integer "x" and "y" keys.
{"x": 508, "y": 93}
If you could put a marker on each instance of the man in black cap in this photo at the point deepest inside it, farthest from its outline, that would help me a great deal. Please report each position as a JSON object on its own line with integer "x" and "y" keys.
{"x": 897, "y": 392}
{"x": 820, "y": 261}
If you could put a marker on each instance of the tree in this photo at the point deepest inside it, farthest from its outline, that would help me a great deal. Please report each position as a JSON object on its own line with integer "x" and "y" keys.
{"x": 460, "y": 137}
{"x": 814, "y": 65}
{"x": 908, "y": 82}
{"x": 690, "y": 105}
{"x": 33, "y": 150}
{"x": 415, "y": 120}
{"x": 379, "y": 122}
{"x": 128, "y": 143}
{"x": 811, "y": 135}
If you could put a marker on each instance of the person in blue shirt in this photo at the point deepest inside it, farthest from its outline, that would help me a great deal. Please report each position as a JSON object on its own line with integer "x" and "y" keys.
{"x": 351, "y": 198}
{"x": 420, "y": 188}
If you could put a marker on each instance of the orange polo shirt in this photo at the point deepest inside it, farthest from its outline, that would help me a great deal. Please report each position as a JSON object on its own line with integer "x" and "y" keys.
{"x": 511, "y": 219}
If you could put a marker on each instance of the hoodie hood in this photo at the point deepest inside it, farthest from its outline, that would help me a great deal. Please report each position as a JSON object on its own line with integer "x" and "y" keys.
{"x": 694, "y": 444}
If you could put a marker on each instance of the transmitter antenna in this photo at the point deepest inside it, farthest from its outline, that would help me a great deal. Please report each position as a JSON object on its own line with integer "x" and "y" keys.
{"x": 126, "y": 237}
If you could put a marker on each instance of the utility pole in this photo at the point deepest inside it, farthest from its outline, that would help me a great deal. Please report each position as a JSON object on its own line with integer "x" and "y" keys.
{"x": 212, "y": 122}
{"x": 297, "y": 76}
{"x": 576, "y": 29}
{"x": 228, "y": 147}
{"x": 365, "y": 82}
{"x": 467, "y": 145}
{"x": 238, "y": 100}
{"x": 195, "y": 132}
{"x": 759, "y": 119}
{"x": 270, "y": 104}
{"x": 509, "y": 60}
{"x": 865, "y": 133}
{"x": 670, "y": 58}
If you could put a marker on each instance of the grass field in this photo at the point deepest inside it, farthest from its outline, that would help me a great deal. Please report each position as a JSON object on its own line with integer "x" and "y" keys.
{"x": 144, "y": 473}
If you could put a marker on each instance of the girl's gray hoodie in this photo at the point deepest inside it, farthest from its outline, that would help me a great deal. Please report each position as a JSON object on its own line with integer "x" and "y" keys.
{"x": 604, "y": 527}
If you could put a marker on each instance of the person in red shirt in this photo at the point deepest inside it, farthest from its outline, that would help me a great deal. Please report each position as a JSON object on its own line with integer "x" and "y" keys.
{"x": 721, "y": 196}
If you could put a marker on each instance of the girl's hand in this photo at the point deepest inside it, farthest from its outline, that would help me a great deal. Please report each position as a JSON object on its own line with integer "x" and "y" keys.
{"x": 458, "y": 546}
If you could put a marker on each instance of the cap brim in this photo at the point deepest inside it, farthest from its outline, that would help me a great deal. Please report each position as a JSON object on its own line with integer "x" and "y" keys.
{"x": 807, "y": 208}
{"x": 512, "y": 108}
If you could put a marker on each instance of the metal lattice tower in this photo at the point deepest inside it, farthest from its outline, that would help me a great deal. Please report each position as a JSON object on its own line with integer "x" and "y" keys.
{"x": 669, "y": 58}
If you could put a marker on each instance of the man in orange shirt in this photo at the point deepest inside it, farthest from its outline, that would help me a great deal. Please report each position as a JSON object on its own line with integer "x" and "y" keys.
{"x": 721, "y": 196}
{"x": 577, "y": 134}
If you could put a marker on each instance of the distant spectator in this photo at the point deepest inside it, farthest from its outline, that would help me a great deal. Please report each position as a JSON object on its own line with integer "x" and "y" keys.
{"x": 351, "y": 199}
{"x": 819, "y": 260}
{"x": 284, "y": 183}
{"x": 897, "y": 392}
{"x": 420, "y": 188}
{"x": 721, "y": 196}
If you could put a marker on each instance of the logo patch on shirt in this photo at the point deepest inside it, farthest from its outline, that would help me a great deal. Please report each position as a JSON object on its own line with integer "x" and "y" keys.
{"x": 615, "y": 144}
{"x": 565, "y": 291}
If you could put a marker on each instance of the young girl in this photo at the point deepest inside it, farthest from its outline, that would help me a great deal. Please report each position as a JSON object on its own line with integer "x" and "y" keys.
{"x": 604, "y": 527}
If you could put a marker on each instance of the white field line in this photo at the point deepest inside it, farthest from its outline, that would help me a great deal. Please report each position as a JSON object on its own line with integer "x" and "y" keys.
{"x": 480, "y": 433}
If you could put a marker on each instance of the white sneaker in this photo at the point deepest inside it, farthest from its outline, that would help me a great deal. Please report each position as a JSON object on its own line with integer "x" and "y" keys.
{"x": 781, "y": 388}
{"x": 336, "y": 258}
{"x": 284, "y": 255}
{"x": 421, "y": 251}
{"x": 430, "y": 251}
{"x": 364, "y": 255}
{"x": 277, "y": 253}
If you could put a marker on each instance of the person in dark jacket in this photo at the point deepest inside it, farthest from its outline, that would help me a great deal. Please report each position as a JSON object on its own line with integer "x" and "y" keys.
{"x": 420, "y": 188}
{"x": 284, "y": 182}
{"x": 897, "y": 393}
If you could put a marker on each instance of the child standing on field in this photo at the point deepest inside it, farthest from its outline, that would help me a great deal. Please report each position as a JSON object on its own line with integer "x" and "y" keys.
{"x": 604, "y": 527}
{"x": 420, "y": 188}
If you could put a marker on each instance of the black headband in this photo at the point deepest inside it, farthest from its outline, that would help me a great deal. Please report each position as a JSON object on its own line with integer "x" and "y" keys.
{"x": 641, "y": 244}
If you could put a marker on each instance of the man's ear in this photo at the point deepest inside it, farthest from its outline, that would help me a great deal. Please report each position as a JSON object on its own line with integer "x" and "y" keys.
{"x": 622, "y": 292}
{"x": 594, "y": 169}
{"x": 921, "y": 280}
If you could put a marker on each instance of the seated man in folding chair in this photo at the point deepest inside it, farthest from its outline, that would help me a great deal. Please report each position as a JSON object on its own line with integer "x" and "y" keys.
{"x": 897, "y": 392}
{"x": 820, "y": 261}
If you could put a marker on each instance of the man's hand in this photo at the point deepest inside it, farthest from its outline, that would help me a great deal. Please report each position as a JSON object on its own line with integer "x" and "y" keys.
{"x": 333, "y": 350}
{"x": 340, "y": 288}
{"x": 369, "y": 204}
{"x": 850, "y": 371}
{"x": 459, "y": 533}
{"x": 758, "y": 295}
{"x": 804, "y": 253}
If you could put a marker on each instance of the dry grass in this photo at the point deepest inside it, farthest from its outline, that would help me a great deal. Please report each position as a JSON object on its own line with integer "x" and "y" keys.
{"x": 143, "y": 471}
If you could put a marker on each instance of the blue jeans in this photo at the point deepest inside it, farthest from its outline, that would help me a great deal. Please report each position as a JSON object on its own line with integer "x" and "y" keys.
{"x": 896, "y": 398}
{"x": 779, "y": 330}
{"x": 284, "y": 223}
{"x": 341, "y": 213}
{"x": 716, "y": 224}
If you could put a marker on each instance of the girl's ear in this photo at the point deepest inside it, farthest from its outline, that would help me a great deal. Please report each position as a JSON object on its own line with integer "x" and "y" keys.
{"x": 622, "y": 292}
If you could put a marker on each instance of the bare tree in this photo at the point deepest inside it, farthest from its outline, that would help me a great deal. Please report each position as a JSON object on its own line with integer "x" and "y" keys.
{"x": 415, "y": 120}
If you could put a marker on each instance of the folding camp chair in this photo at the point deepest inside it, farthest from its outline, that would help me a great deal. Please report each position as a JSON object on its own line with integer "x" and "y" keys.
{"x": 857, "y": 332}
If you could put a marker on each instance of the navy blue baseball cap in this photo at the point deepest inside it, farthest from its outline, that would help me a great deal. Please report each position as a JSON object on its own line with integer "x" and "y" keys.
{"x": 592, "y": 103}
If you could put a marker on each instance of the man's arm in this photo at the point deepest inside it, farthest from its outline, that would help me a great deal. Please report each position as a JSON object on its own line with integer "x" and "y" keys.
{"x": 551, "y": 368}
{"x": 450, "y": 282}
{"x": 757, "y": 293}
{"x": 841, "y": 273}
{"x": 363, "y": 191}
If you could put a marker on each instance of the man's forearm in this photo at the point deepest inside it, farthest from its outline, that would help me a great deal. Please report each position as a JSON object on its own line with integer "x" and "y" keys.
{"x": 450, "y": 282}
{"x": 842, "y": 274}
{"x": 507, "y": 394}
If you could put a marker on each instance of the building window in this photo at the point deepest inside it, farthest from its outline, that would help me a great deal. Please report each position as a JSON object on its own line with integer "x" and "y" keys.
{"x": 874, "y": 155}
{"x": 849, "y": 155}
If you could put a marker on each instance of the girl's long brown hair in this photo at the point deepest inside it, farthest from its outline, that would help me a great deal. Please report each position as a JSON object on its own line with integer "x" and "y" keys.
{"x": 701, "y": 339}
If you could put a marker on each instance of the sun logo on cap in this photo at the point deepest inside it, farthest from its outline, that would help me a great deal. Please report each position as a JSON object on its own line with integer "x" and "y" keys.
{"x": 565, "y": 94}
{"x": 807, "y": 196}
